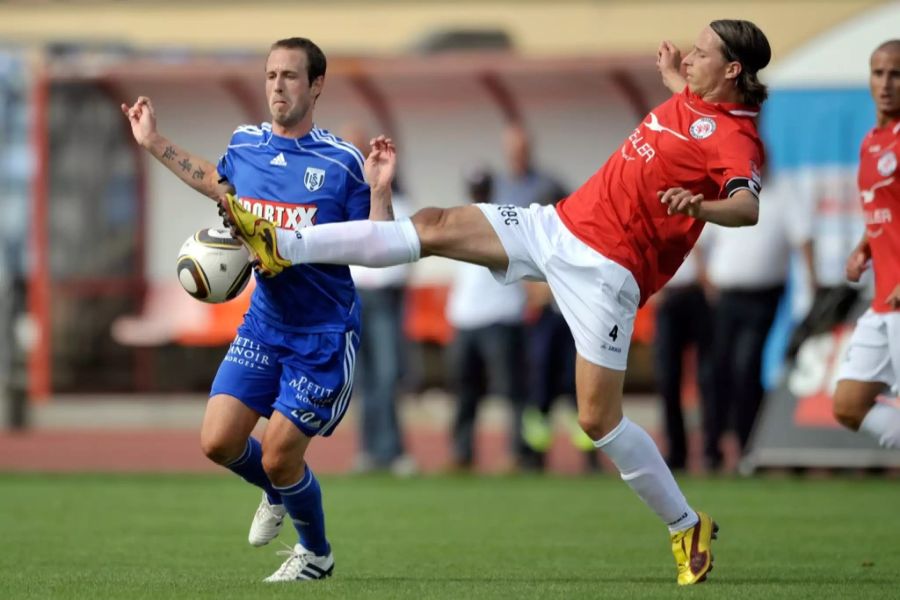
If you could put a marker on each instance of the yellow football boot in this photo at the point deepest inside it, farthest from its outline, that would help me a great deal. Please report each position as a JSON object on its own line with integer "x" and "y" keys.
{"x": 258, "y": 235}
{"x": 691, "y": 547}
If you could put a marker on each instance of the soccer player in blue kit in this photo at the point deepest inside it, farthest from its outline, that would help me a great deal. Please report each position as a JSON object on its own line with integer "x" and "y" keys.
{"x": 293, "y": 358}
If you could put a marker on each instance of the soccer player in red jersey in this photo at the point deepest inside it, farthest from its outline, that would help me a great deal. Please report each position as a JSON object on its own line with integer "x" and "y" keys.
{"x": 604, "y": 250}
{"x": 873, "y": 357}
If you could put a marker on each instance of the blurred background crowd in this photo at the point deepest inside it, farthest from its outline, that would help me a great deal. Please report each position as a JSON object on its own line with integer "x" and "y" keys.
{"x": 496, "y": 101}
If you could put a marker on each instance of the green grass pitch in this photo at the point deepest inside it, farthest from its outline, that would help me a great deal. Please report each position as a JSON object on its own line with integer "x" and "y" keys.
{"x": 184, "y": 536}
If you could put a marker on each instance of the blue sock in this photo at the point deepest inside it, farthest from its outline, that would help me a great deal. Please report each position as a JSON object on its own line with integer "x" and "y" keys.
{"x": 303, "y": 501}
{"x": 249, "y": 466}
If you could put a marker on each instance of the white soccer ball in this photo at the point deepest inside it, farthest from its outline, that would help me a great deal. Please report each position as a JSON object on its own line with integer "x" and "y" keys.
{"x": 213, "y": 266}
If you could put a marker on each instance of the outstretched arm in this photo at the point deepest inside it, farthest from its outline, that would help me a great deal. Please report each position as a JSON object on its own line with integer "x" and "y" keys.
{"x": 668, "y": 62}
{"x": 738, "y": 210}
{"x": 193, "y": 170}
{"x": 381, "y": 164}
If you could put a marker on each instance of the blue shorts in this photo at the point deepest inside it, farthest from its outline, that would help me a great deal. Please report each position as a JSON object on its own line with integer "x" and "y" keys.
{"x": 307, "y": 377}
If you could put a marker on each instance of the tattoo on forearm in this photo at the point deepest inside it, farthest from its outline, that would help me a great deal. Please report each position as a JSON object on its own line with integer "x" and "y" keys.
{"x": 198, "y": 174}
{"x": 169, "y": 153}
{"x": 186, "y": 165}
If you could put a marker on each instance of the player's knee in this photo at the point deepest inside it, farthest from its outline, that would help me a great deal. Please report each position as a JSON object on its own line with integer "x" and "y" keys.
{"x": 221, "y": 450}
{"x": 593, "y": 425}
{"x": 283, "y": 469}
{"x": 429, "y": 226}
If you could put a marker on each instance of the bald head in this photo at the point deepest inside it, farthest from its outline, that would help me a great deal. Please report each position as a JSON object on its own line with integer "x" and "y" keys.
{"x": 888, "y": 46}
{"x": 884, "y": 81}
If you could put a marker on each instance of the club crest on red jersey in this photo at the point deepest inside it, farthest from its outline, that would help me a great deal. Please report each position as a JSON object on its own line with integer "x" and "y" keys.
{"x": 887, "y": 164}
{"x": 702, "y": 128}
{"x": 313, "y": 178}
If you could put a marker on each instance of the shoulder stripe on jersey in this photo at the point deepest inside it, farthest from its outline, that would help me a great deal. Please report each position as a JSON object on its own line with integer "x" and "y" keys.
{"x": 897, "y": 128}
{"x": 344, "y": 143}
{"x": 251, "y": 129}
{"x": 744, "y": 113}
{"x": 324, "y": 134}
{"x": 329, "y": 159}
{"x": 256, "y": 145}
{"x": 691, "y": 108}
{"x": 321, "y": 136}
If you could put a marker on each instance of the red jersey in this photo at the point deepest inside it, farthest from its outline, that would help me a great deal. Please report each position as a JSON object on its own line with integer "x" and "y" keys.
{"x": 879, "y": 190}
{"x": 711, "y": 149}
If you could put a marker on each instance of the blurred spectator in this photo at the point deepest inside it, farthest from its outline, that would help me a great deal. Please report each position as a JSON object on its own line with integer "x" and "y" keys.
{"x": 381, "y": 352}
{"x": 551, "y": 349}
{"x": 488, "y": 343}
{"x": 831, "y": 202}
{"x": 684, "y": 320}
{"x": 748, "y": 267}
{"x": 523, "y": 184}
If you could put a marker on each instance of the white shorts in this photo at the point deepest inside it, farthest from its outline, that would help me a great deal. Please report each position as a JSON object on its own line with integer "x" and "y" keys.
{"x": 598, "y": 297}
{"x": 873, "y": 353}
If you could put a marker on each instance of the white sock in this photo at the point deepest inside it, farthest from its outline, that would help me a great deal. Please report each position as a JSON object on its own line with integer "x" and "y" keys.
{"x": 365, "y": 243}
{"x": 883, "y": 423}
{"x": 642, "y": 467}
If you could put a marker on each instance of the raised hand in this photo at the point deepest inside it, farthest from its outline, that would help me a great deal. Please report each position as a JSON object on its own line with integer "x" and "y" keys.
{"x": 681, "y": 201}
{"x": 668, "y": 62}
{"x": 381, "y": 164}
{"x": 142, "y": 119}
{"x": 668, "y": 58}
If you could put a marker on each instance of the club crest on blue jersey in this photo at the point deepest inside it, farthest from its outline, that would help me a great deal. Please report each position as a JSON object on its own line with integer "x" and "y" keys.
{"x": 314, "y": 178}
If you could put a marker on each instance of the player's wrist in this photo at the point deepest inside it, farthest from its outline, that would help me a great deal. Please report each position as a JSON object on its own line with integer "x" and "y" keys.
{"x": 699, "y": 210}
{"x": 381, "y": 191}
{"x": 153, "y": 140}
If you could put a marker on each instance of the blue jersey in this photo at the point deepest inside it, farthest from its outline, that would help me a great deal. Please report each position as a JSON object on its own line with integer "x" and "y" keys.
{"x": 296, "y": 183}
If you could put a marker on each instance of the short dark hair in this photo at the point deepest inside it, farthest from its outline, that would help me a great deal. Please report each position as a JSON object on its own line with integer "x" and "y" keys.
{"x": 315, "y": 58}
{"x": 744, "y": 42}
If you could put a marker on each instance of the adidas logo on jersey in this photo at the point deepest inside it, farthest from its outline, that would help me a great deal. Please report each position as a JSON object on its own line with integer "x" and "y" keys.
{"x": 279, "y": 161}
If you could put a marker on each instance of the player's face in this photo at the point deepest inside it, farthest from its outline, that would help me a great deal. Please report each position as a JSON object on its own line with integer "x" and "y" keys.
{"x": 884, "y": 81}
{"x": 288, "y": 91}
{"x": 706, "y": 69}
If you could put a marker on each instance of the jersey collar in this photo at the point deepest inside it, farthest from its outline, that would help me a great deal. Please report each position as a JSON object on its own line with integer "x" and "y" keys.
{"x": 286, "y": 143}
{"x": 731, "y": 108}
{"x": 892, "y": 126}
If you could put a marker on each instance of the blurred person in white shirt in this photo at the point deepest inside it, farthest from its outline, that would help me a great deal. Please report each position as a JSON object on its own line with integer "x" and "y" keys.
{"x": 488, "y": 344}
{"x": 748, "y": 267}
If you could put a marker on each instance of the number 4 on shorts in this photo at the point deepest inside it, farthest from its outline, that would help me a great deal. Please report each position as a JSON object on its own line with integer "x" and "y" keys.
{"x": 614, "y": 333}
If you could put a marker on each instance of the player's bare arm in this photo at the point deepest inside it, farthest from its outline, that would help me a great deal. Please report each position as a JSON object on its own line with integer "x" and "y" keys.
{"x": 741, "y": 209}
{"x": 193, "y": 170}
{"x": 858, "y": 261}
{"x": 668, "y": 62}
{"x": 380, "y": 167}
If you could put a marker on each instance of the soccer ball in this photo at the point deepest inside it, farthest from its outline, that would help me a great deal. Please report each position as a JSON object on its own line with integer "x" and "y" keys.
{"x": 213, "y": 266}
